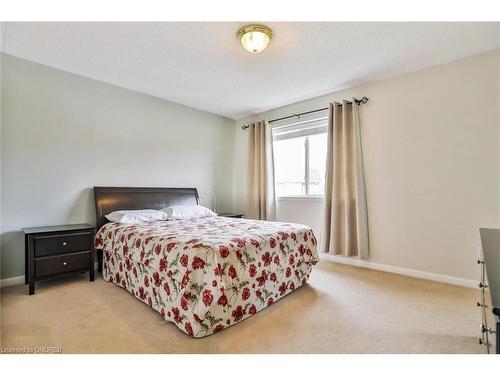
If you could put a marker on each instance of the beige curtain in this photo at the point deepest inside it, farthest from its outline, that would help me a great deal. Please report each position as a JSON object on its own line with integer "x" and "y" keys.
{"x": 260, "y": 189}
{"x": 345, "y": 229}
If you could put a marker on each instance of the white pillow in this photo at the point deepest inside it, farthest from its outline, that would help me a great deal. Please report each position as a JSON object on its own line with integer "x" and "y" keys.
{"x": 187, "y": 212}
{"x": 136, "y": 216}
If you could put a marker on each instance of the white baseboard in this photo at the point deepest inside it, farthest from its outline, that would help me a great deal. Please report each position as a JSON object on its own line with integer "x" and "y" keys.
{"x": 401, "y": 271}
{"x": 12, "y": 281}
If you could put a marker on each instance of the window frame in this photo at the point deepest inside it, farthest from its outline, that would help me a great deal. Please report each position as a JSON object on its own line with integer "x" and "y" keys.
{"x": 307, "y": 176}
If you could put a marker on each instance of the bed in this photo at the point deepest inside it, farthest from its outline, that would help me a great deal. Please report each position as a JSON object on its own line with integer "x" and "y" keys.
{"x": 203, "y": 274}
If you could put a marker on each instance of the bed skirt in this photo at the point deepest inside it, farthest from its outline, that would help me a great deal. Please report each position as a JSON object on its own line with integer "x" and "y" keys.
{"x": 202, "y": 308}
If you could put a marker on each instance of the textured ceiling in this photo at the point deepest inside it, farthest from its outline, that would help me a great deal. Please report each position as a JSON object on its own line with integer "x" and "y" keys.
{"x": 202, "y": 65}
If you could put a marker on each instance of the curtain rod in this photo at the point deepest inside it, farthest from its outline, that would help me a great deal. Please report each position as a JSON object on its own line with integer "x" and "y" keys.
{"x": 363, "y": 100}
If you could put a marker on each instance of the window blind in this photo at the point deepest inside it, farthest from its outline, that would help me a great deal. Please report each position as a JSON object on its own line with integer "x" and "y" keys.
{"x": 301, "y": 129}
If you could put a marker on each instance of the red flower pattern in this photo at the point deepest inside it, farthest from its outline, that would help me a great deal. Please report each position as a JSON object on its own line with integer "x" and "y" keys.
{"x": 231, "y": 272}
{"x": 156, "y": 278}
{"x": 163, "y": 264}
{"x": 184, "y": 260}
{"x": 185, "y": 280}
{"x": 282, "y": 289}
{"x": 266, "y": 258}
{"x": 252, "y": 270}
{"x": 204, "y": 280}
{"x": 189, "y": 329}
{"x": 218, "y": 270}
{"x": 207, "y": 297}
{"x": 166, "y": 288}
{"x": 239, "y": 242}
{"x": 218, "y": 328}
{"x": 198, "y": 263}
{"x": 184, "y": 303}
{"x": 224, "y": 251}
{"x": 222, "y": 301}
{"x": 237, "y": 313}
{"x": 262, "y": 278}
{"x": 245, "y": 294}
{"x": 158, "y": 249}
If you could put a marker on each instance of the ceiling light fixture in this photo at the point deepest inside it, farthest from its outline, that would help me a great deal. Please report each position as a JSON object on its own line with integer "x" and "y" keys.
{"x": 255, "y": 38}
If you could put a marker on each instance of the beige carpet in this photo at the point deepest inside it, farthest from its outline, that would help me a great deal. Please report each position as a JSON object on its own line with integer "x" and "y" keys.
{"x": 343, "y": 310}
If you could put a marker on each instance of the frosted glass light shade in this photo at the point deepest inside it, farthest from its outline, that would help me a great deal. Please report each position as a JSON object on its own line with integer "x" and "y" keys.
{"x": 255, "y": 38}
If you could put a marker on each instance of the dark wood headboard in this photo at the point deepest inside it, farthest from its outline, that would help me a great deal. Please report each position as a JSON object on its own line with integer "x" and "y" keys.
{"x": 109, "y": 199}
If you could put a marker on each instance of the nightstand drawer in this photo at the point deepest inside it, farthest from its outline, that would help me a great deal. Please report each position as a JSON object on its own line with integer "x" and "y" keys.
{"x": 60, "y": 264}
{"x": 62, "y": 243}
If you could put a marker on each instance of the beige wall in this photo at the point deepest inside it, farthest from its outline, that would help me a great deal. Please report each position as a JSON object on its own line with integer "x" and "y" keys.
{"x": 432, "y": 158}
{"x": 63, "y": 134}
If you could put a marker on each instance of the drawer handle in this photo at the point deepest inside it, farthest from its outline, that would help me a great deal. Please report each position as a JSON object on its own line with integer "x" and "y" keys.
{"x": 65, "y": 264}
{"x": 64, "y": 243}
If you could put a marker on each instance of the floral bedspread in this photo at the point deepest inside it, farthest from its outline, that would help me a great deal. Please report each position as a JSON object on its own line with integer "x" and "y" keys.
{"x": 207, "y": 274}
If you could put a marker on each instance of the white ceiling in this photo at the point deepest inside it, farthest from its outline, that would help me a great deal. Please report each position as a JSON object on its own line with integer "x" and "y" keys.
{"x": 203, "y": 66}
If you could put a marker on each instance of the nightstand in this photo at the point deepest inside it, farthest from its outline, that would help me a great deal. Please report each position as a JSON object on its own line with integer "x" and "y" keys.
{"x": 58, "y": 249}
{"x": 227, "y": 214}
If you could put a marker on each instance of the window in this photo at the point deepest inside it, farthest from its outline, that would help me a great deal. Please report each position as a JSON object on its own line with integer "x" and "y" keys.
{"x": 300, "y": 158}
